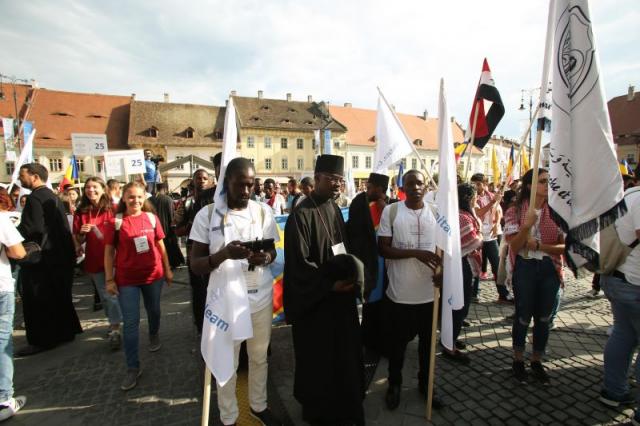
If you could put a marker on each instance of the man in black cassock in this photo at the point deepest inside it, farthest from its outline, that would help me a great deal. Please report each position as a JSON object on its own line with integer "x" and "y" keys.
{"x": 163, "y": 204}
{"x": 320, "y": 303}
{"x": 364, "y": 217}
{"x": 49, "y": 315}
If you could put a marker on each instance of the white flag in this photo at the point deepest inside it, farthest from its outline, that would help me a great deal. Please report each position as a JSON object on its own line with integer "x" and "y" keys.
{"x": 448, "y": 224}
{"x": 585, "y": 186}
{"x": 350, "y": 185}
{"x": 392, "y": 142}
{"x": 227, "y": 316}
{"x": 26, "y": 156}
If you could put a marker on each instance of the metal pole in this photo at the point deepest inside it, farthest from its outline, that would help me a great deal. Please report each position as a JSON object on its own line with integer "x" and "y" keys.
{"x": 530, "y": 116}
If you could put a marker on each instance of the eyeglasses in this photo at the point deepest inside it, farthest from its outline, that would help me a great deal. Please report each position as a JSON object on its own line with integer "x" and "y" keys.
{"x": 333, "y": 178}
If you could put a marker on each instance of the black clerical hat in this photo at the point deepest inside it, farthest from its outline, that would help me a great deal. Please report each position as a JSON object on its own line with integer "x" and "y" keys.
{"x": 379, "y": 180}
{"x": 332, "y": 164}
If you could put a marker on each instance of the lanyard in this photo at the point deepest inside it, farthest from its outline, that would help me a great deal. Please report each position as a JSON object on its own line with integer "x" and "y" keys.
{"x": 92, "y": 218}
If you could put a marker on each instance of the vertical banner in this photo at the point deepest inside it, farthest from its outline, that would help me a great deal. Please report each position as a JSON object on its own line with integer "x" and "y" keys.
{"x": 327, "y": 142}
{"x": 9, "y": 141}
{"x": 316, "y": 138}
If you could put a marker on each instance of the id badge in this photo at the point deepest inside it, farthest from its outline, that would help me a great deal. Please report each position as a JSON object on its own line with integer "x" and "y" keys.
{"x": 97, "y": 233}
{"x": 142, "y": 244}
{"x": 250, "y": 278}
{"x": 338, "y": 249}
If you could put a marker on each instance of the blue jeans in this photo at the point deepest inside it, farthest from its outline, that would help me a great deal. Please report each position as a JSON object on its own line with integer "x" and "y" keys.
{"x": 624, "y": 341}
{"x": 109, "y": 301}
{"x": 7, "y": 308}
{"x": 535, "y": 287}
{"x": 129, "y": 299}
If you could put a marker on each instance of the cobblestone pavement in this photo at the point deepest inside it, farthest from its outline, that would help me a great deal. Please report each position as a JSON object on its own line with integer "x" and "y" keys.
{"x": 78, "y": 383}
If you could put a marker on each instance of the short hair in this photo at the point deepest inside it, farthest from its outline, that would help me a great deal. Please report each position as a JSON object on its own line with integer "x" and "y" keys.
{"x": 200, "y": 171}
{"x": 293, "y": 181}
{"x": 413, "y": 172}
{"x": 477, "y": 177}
{"x": 236, "y": 165}
{"x": 217, "y": 160}
{"x": 113, "y": 184}
{"x": 307, "y": 181}
{"x": 36, "y": 169}
{"x": 162, "y": 185}
{"x": 268, "y": 181}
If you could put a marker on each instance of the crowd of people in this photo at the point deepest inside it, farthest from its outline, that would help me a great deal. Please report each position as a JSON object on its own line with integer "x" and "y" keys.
{"x": 126, "y": 240}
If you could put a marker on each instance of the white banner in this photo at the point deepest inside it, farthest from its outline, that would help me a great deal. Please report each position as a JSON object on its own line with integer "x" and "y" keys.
{"x": 448, "y": 224}
{"x": 392, "y": 143}
{"x": 123, "y": 163}
{"x": 86, "y": 144}
{"x": 9, "y": 140}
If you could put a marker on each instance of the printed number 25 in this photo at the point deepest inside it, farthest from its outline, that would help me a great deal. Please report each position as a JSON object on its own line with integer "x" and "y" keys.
{"x": 100, "y": 146}
{"x": 136, "y": 162}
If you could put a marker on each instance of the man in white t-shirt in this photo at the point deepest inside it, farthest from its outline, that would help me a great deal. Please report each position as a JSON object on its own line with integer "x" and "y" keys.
{"x": 407, "y": 242}
{"x": 10, "y": 247}
{"x": 273, "y": 198}
{"x": 622, "y": 288}
{"x": 246, "y": 220}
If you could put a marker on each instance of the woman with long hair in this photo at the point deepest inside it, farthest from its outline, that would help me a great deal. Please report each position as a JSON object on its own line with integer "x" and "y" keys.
{"x": 471, "y": 248}
{"x": 90, "y": 221}
{"x": 136, "y": 262}
{"x": 537, "y": 244}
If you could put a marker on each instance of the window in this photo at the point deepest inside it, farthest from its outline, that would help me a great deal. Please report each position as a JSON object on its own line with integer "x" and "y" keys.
{"x": 300, "y": 143}
{"x": 217, "y": 134}
{"x": 55, "y": 164}
{"x": 80, "y": 164}
{"x": 11, "y": 167}
{"x": 188, "y": 133}
{"x": 267, "y": 142}
{"x": 355, "y": 161}
{"x": 313, "y": 144}
{"x": 336, "y": 143}
{"x": 285, "y": 163}
{"x": 250, "y": 142}
{"x": 267, "y": 163}
{"x": 181, "y": 166}
{"x": 283, "y": 143}
{"x": 252, "y": 161}
{"x": 404, "y": 163}
{"x": 100, "y": 166}
{"x": 153, "y": 132}
{"x": 367, "y": 161}
{"x": 300, "y": 163}
{"x": 414, "y": 163}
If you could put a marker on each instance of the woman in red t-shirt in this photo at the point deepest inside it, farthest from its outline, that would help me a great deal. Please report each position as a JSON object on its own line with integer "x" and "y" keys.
{"x": 90, "y": 221}
{"x": 136, "y": 263}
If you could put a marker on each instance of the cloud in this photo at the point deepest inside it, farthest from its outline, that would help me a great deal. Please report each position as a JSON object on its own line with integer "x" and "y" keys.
{"x": 334, "y": 50}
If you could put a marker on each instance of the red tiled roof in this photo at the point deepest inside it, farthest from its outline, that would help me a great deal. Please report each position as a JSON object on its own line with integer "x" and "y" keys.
{"x": 7, "y": 104}
{"x": 625, "y": 119}
{"x": 361, "y": 127}
{"x": 57, "y": 114}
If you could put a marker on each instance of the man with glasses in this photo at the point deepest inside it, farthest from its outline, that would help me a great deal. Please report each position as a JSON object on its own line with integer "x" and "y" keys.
{"x": 320, "y": 288}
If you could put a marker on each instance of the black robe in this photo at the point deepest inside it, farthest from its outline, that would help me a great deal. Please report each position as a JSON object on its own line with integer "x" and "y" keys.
{"x": 49, "y": 315}
{"x": 164, "y": 209}
{"x": 329, "y": 373}
{"x": 363, "y": 243}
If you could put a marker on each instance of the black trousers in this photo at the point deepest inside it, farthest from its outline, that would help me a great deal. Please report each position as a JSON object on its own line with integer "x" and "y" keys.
{"x": 198, "y": 297}
{"x": 403, "y": 323}
{"x": 467, "y": 283}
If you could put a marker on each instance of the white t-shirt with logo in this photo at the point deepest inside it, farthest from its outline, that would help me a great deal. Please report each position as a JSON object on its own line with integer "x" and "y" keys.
{"x": 9, "y": 236}
{"x": 410, "y": 281}
{"x": 626, "y": 227}
{"x": 247, "y": 224}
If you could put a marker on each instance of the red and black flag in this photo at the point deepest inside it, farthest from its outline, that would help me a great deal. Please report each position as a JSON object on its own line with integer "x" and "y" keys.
{"x": 486, "y": 123}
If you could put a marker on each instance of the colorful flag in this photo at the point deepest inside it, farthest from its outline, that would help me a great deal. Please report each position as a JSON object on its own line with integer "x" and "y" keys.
{"x": 582, "y": 200}
{"x": 392, "y": 142}
{"x": 624, "y": 168}
{"x": 495, "y": 167}
{"x": 71, "y": 174}
{"x": 460, "y": 150}
{"x": 485, "y": 124}
{"x": 510, "y": 164}
{"x": 401, "y": 194}
{"x": 448, "y": 224}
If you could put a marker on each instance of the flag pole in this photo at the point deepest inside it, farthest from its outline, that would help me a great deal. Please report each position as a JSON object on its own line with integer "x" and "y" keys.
{"x": 473, "y": 135}
{"x": 415, "y": 151}
{"x": 432, "y": 344}
{"x": 206, "y": 397}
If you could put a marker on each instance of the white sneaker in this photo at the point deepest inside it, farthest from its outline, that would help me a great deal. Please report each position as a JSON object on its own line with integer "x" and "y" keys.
{"x": 593, "y": 293}
{"x": 11, "y": 407}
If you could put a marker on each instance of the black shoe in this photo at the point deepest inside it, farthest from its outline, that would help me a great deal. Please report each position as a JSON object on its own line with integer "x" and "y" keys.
{"x": 519, "y": 372}
{"x": 538, "y": 373}
{"x": 466, "y": 323}
{"x": 607, "y": 399}
{"x": 392, "y": 398}
{"x": 456, "y": 356}
{"x": 266, "y": 417}
{"x": 461, "y": 345}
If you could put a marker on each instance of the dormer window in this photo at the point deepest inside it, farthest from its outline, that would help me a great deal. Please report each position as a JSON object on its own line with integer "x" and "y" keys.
{"x": 217, "y": 134}
{"x": 265, "y": 107}
{"x": 188, "y": 133}
{"x": 96, "y": 116}
{"x": 62, "y": 114}
{"x": 286, "y": 121}
{"x": 292, "y": 110}
{"x": 418, "y": 142}
{"x": 153, "y": 132}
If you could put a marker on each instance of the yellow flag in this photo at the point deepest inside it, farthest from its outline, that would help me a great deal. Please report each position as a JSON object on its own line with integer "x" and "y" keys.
{"x": 524, "y": 160}
{"x": 495, "y": 167}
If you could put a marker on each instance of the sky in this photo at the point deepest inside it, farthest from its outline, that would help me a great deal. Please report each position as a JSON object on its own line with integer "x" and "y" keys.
{"x": 336, "y": 51}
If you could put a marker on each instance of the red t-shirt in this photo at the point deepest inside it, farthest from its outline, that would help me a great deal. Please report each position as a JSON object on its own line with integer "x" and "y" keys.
{"x": 94, "y": 249}
{"x": 133, "y": 268}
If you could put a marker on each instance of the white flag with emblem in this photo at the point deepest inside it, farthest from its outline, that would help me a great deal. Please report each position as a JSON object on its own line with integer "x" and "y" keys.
{"x": 448, "y": 224}
{"x": 392, "y": 142}
{"x": 581, "y": 140}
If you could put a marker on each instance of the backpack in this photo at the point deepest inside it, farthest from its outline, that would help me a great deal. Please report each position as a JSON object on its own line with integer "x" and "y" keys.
{"x": 613, "y": 252}
{"x": 152, "y": 219}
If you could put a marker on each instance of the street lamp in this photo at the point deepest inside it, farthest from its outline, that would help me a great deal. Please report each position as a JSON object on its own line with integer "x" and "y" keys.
{"x": 13, "y": 80}
{"x": 530, "y": 92}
